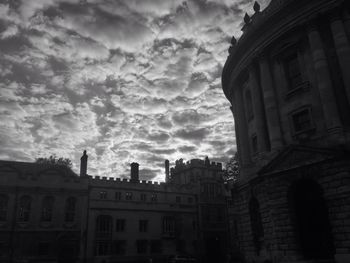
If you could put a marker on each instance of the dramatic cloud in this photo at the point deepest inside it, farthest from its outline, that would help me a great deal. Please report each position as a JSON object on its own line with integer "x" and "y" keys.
{"x": 127, "y": 80}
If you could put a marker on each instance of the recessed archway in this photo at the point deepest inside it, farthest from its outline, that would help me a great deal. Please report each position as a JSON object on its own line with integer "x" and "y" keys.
{"x": 311, "y": 221}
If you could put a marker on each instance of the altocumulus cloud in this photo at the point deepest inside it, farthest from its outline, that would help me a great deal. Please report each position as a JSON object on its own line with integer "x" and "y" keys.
{"x": 127, "y": 80}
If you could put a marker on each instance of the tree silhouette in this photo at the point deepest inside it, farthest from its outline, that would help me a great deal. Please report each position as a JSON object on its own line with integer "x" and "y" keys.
{"x": 54, "y": 160}
{"x": 232, "y": 169}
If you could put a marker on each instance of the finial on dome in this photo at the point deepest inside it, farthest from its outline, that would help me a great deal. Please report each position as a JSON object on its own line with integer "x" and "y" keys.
{"x": 256, "y": 7}
{"x": 233, "y": 41}
{"x": 246, "y": 18}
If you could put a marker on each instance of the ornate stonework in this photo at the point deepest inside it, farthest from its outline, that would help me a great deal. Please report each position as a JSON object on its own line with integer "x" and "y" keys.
{"x": 287, "y": 80}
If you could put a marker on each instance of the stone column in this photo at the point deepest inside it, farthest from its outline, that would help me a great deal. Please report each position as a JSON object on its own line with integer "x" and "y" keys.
{"x": 271, "y": 110}
{"x": 324, "y": 81}
{"x": 241, "y": 127}
{"x": 342, "y": 47}
{"x": 258, "y": 107}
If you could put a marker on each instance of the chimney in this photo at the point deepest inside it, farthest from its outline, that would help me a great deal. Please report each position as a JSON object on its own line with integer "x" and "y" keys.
{"x": 134, "y": 172}
{"x": 83, "y": 164}
{"x": 167, "y": 173}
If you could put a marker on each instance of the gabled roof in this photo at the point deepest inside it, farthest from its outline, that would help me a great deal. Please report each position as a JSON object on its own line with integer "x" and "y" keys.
{"x": 296, "y": 156}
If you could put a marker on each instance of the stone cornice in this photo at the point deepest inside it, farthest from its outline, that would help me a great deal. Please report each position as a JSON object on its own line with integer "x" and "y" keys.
{"x": 272, "y": 25}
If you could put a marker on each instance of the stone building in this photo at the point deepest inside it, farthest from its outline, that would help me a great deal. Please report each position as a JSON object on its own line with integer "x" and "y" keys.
{"x": 42, "y": 213}
{"x": 50, "y": 214}
{"x": 211, "y": 205}
{"x": 288, "y": 81}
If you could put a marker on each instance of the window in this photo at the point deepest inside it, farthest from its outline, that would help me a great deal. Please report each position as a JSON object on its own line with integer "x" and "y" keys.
{"x": 128, "y": 196}
{"x": 24, "y": 208}
{"x": 104, "y": 224}
{"x": 301, "y": 121}
{"x": 103, "y": 195}
{"x": 293, "y": 72}
{"x": 143, "y": 197}
{"x": 102, "y": 248}
{"x": 47, "y": 209}
{"x": 190, "y": 200}
{"x": 119, "y": 247}
{"x": 168, "y": 225}
{"x": 143, "y": 224}
{"x": 3, "y": 207}
{"x": 43, "y": 248}
{"x": 120, "y": 225}
{"x": 249, "y": 105}
{"x": 156, "y": 246}
{"x": 154, "y": 198}
{"x": 118, "y": 196}
{"x": 70, "y": 209}
{"x": 254, "y": 143}
{"x": 178, "y": 199}
{"x": 141, "y": 246}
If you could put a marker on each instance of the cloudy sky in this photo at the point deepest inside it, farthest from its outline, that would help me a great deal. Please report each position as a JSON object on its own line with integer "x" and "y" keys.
{"x": 127, "y": 80}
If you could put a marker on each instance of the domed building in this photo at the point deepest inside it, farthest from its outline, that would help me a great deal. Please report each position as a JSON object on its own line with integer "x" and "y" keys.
{"x": 288, "y": 81}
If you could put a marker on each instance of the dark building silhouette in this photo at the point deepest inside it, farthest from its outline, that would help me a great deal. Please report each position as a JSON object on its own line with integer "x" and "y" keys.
{"x": 288, "y": 81}
{"x": 50, "y": 214}
{"x": 42, "y": 212}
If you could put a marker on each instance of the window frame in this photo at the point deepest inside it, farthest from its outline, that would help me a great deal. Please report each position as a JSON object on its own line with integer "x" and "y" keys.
{"x": 24, "y": 212}
{"x": 128, "y": 196}
{"x": 103, "y": 195}
{"x": 47, "y": 208}
{"x": 118, "y": 196}
{"x": 70, "y": 209}
{"x": 4, "y": 202}
{"x": 292, "y": 115}
{"x": 120, "y": 225}
{"x": 143, "y": 225}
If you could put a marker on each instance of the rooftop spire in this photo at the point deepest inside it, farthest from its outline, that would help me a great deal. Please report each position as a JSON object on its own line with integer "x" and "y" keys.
{"x": 256, "y": 7}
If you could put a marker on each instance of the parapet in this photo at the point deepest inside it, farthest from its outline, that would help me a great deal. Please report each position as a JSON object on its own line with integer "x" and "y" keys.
{"x": 195, "y": 163}
{"x": 123, "y": 182}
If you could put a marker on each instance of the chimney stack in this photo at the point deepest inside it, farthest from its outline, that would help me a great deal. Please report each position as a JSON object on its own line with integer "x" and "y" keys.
{"x": 134, "y": 172}
{"x": 83, "y": 164}
{"x": 167, "y": 173}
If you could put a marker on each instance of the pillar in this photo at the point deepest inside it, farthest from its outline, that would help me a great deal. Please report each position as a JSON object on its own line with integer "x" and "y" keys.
{"x": 342, "y": 47}
{"x": 324, "y": 81}
{"x": 258, "y": 108}
{"x": 270, "y": 103}
{"x": 241, "y": 127}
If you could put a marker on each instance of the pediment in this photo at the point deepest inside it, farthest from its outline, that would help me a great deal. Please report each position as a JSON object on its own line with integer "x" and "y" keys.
{"x": 297, "y": 156}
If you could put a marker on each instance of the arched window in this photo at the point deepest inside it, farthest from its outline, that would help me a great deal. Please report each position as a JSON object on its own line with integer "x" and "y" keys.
{"x": 256, "y": 223}
{"x": 47, "y": 209}
{"x": 3, "y": 207}
{"x": 249, "y": 105}
{"x": 70, "y": 209}
{"x": 24, "y": 208}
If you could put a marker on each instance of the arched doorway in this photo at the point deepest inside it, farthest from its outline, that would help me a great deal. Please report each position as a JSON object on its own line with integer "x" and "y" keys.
{"x": 312, "y": 225}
